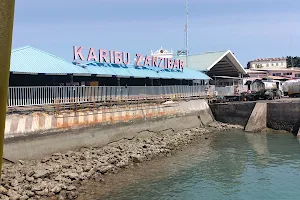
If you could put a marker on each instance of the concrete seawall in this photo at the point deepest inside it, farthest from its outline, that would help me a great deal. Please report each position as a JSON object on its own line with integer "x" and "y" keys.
{"x": 38, "y": 123}
{"x": 254, "y": 116}
{"x": 44, "y": 134}
{"x": 284, "y": 116}
{"x": 233, "y": 113}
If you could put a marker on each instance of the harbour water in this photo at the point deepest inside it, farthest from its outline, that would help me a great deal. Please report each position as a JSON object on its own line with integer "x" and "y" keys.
{"x": 229, "y": 165}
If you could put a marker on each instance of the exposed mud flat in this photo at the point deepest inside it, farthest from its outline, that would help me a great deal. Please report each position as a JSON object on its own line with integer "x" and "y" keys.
{"x": 60, "y": 175}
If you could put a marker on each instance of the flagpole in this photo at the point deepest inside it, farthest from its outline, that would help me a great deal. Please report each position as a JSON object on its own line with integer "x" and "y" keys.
{"x": 186, "y": 34}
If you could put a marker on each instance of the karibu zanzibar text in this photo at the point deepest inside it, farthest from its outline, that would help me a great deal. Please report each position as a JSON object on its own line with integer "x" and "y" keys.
{"x": 117, "y": 57}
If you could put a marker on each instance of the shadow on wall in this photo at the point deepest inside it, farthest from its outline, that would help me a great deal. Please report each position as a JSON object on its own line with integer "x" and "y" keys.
{"x": 296, "y": 127}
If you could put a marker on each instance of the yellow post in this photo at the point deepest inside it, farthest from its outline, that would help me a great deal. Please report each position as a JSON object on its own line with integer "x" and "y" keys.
{"x": 6, "y": 28}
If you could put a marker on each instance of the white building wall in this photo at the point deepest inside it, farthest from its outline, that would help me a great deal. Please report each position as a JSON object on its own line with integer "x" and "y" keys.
{"x": 280, "y": 64}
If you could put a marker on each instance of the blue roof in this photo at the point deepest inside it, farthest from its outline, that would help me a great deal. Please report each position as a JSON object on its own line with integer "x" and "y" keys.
{"x": 30, "y": 60}
{"x": 132, "y": 70}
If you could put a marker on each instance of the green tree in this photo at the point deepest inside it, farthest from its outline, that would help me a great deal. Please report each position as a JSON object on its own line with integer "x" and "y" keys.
{"x": 293, "y": 61}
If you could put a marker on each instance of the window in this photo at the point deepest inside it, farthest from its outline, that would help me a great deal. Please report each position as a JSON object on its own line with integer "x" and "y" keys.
{"x": 276, "y": 74}
{"x": 287, "y": 73}
{"x": 267, "y": 64}
{"x": 272, "y": 64}
{"x": 297, "y": 75}
{"x": 276, "y": 64}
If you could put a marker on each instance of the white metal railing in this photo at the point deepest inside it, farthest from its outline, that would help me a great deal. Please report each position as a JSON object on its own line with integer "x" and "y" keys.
{"x": 47, "y": 95}
{"x": 231, "y": 90}
{"x": 225, "y": 91}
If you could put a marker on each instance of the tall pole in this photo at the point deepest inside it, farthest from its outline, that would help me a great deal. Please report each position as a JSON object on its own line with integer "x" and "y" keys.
{"x": 6, "y": 29}
{"x": 186, "y": 34}
{"x": 292, "y": 62}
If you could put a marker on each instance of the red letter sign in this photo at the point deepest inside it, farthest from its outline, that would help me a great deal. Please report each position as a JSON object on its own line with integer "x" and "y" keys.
{"x": 92, "y": 55}
{"x": 103, "y": 55}
{"x": 77, "y": 53}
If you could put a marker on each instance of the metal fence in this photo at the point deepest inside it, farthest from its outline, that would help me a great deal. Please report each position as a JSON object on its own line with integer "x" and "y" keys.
{"x": 48, "y": 95}
{"x": 225, "y": 91}
{"x": 231, "y": 90}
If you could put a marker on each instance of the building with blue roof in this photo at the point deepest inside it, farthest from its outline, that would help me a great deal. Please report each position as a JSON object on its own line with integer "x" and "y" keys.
{"x": 34, "y": 67}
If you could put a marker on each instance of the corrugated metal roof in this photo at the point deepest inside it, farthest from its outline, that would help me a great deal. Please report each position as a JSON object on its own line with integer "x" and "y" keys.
{"x": 32, "y": 61}
{"x": 203, "y": 61}
{"x": 206, "y": 61}
{"x": 143, "y": 72}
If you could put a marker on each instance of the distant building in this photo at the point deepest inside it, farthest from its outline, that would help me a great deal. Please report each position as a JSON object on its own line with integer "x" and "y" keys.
{"x": 268, "y": 63}
{"x": 264, "y": 67}
{"x": 289, "y": 73}
{"x": 162, "y": 53}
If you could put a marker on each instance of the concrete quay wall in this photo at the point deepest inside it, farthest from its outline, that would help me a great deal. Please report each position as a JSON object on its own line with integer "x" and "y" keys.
{"x": 38, "y": 123}
{"x": 233, "y": 113}
{"x": 284, "y": 116}
{"x": 42, "y": 135}
{"x": 280, "y": 115}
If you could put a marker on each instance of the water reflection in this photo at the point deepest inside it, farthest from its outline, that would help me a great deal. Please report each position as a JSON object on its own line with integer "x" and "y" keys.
{"x": 259, "y": 144}
{"x": 233, "y": 165}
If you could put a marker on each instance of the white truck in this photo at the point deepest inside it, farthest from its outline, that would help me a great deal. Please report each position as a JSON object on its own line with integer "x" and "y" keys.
{"x": 292, "y": 88}
{"x": 264, "y": 89}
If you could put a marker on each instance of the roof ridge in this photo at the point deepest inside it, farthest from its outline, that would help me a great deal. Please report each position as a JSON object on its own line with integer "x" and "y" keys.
{"x": 42, "y": 51}
{"x": 20, "y": 48}
{"x": 210, "y": 52}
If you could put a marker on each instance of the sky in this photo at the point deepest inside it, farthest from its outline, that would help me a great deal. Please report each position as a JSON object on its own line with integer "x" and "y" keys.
{"x": 249, "y": 28}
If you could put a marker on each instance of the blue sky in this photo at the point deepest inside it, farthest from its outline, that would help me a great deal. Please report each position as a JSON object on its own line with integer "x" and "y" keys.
{"x": 250, "y": 28}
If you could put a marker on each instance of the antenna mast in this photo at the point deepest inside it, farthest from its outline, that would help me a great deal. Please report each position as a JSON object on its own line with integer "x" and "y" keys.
{"x": 186, "y": 34}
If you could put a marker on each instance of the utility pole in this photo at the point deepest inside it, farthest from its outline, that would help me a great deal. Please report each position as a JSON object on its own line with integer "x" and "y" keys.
{"x": 186, "y": 34}
{"x": 292, "y": 62}
{"x": 6, "y": 29}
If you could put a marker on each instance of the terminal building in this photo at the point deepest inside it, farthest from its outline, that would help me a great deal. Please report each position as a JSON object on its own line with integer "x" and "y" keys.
{"x": 34, "y": 67}
{"x": 223, "y": 67}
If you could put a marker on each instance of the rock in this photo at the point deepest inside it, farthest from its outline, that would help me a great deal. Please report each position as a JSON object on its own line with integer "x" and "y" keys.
{"x": 21, "y": 162}
{"x": 121, "y": 164}
{"x": 43, "y": 192}
{"x": 87, "y": 168}
{"x": 104, "y": 169}
{"x": 39, "y": 187}
{"x": 30, "y": 173}
{"x": 41, "y": 174}
{"x": 46, "y": 159}
{"x": 29, "y": 179}
{"x": 56, "y": 189}
{"x": 72, "y": 176}
{"x": 28, "y": 187}
{"x": 84, "y": 175}
{"x": 136, "y": 158}
{"x": 71, "y": 187}
{"x": 13, "y": 195}
{"x": 3, "y": 190}
{"x": 14, "y": 183}
{"x": 62, "y": 195}
{"x": 24, "y": 197}
{"x": 72, "y": 195}
{"x": 58, "y": 178}
{"x": 4, "y": 197}
{"x": 112, "y": 160}
{"x": 30, "y": 193}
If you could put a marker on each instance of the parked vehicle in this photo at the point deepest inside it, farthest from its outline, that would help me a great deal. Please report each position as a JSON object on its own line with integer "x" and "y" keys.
{"x": 288, "y": 84}
{"x": 263, "y": 89}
